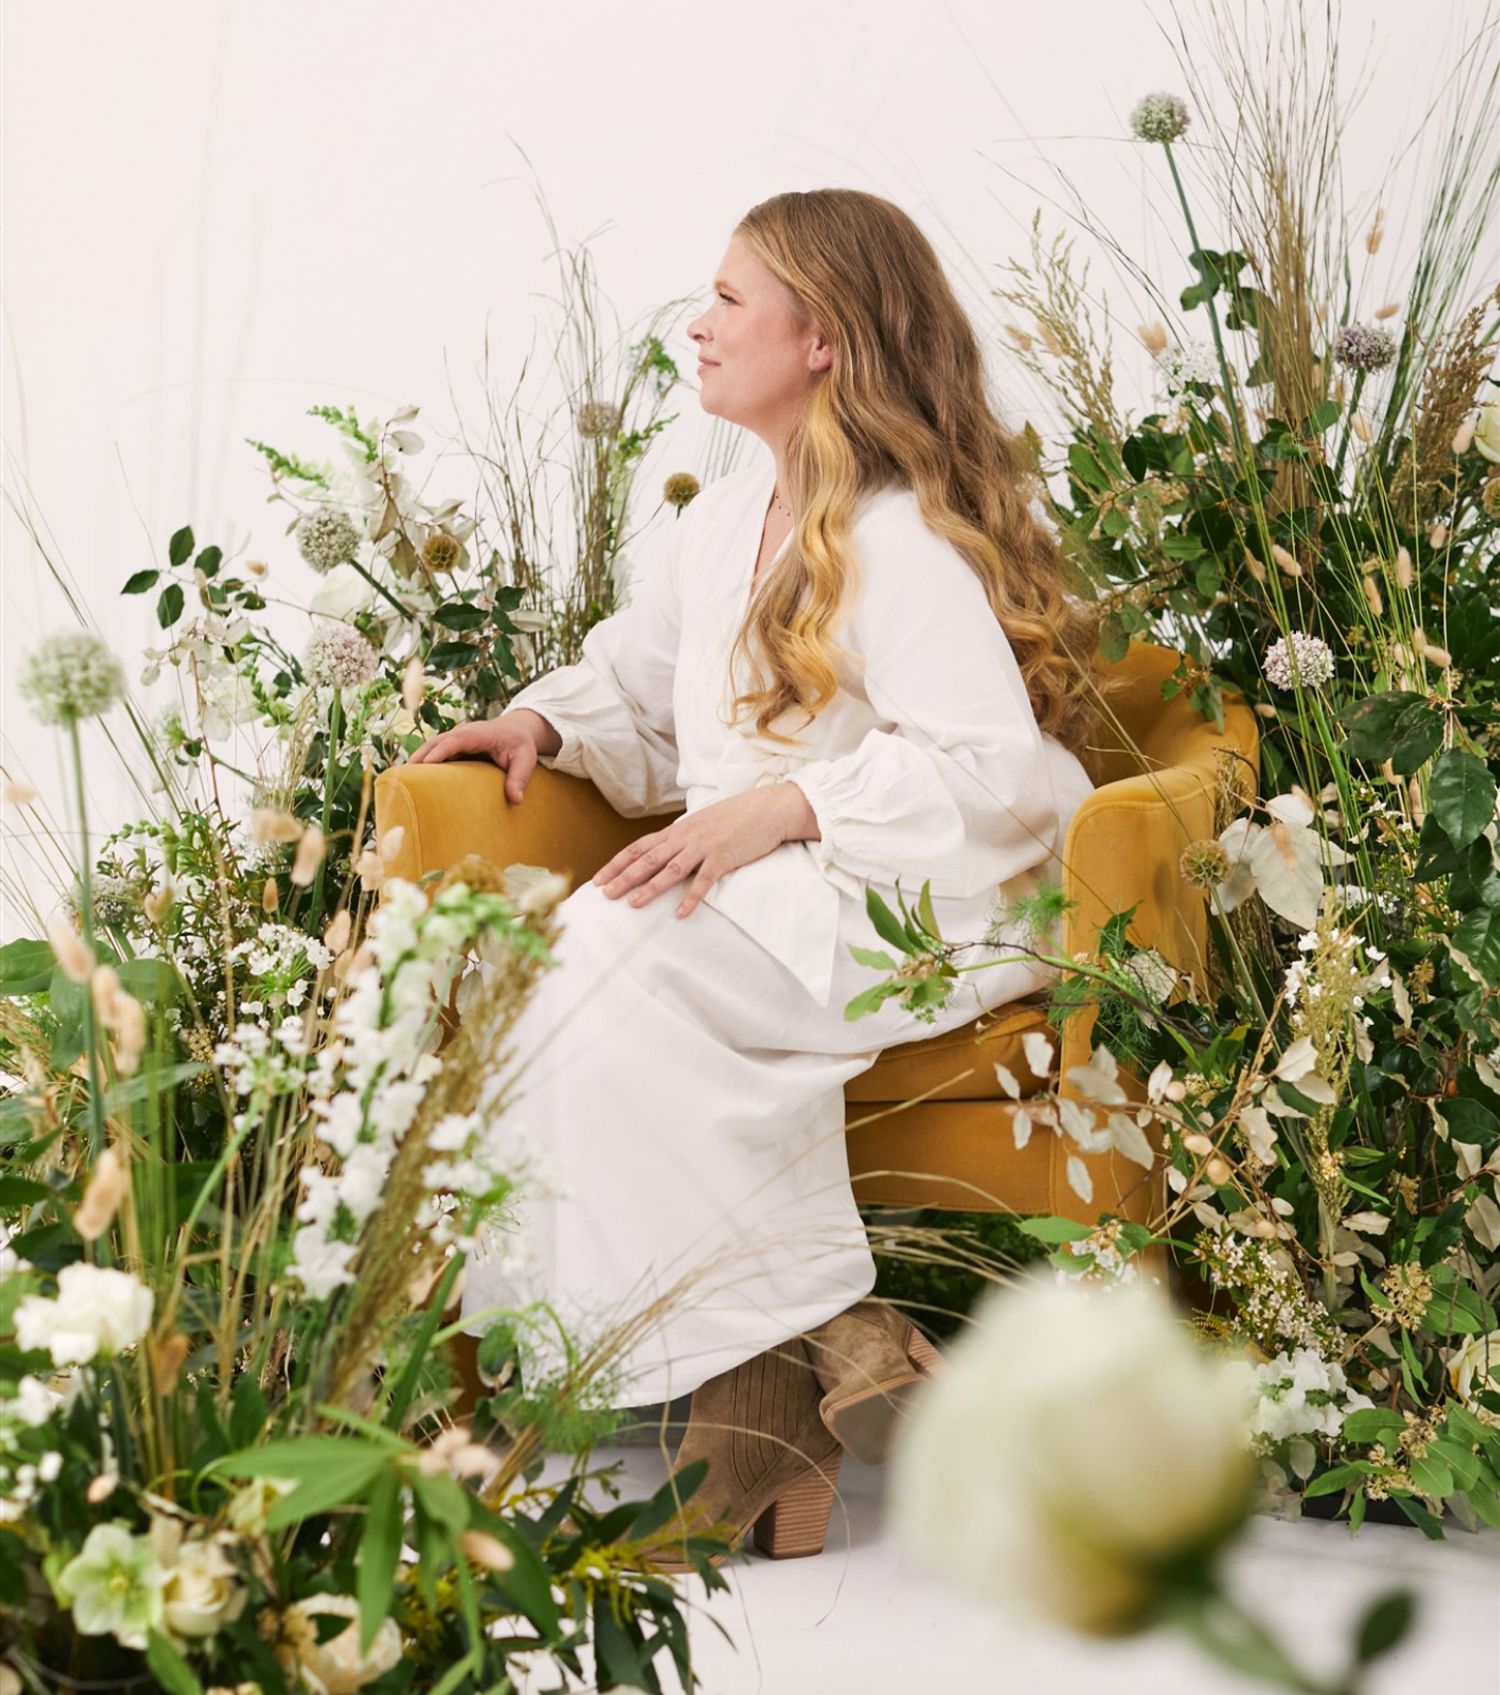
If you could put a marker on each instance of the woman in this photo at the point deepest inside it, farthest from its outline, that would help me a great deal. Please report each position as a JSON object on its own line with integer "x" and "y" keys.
{"x": 896, "y": 690}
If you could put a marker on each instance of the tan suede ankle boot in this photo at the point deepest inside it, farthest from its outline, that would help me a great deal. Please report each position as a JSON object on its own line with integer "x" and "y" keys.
{"x": 772, "y": 1462}
{"x": 868, "y": 1359}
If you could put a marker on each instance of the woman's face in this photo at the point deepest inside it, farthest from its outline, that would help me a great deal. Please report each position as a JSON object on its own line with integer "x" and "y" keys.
{"x": 761, "y": 357}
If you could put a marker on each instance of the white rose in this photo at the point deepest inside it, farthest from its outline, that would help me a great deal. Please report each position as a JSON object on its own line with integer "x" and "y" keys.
{"x": 97, "y": 1311}
{"x": 1079, "y": 1441}
{"x": 335, "y": 1667}
{"x": 342, "y": 593}
{"x": 1475, "y": 1367}
{"x": 203, "y": 1591}
{"x": 1487, "y": 431}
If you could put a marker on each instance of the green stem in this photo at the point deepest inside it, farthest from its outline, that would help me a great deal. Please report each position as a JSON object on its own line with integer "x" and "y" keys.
{"x": 335, "y": 716}
{"x": 382, "y": 590}
{"x": 85, "y": 878}
{"x": 1338, "y": 464}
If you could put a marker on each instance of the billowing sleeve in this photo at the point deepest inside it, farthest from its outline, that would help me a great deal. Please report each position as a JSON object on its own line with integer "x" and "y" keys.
{"x": 959, "y": 784}
{"x": 613, "y": 708}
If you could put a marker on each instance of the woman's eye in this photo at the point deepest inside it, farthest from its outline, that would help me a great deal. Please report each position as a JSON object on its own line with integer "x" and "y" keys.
{"x": 723, "y": 296}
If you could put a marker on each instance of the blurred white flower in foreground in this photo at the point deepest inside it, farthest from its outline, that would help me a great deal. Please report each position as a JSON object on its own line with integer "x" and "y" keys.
{"x": 1080, "y": 1447}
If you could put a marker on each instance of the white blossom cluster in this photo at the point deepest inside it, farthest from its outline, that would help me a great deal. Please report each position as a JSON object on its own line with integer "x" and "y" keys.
{"x": 1194, "y": 363}
{"x": 1295, "y": 1396}
{"x": 282, "y": 964}
{"x": 369, "y": 1087}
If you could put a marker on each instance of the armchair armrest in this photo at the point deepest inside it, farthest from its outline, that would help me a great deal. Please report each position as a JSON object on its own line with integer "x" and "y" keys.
{"x": 460, "y": 807}
{"x": 1122, "y": 851}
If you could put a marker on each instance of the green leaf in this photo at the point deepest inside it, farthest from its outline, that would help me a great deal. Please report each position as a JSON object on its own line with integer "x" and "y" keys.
{"x": 209, "y": 560}
{"x": 1114, "y": 638}
{"x": 151, "y": 980}
{"x": 1431, "y": 1527}
{"x": 1338, "y": 1477}
{"x": 171, "y": 1671}
{"x": 1478, "y": 938}
{"x": 1086, "y": 468}
{"x": 1463, "y": 795}
{"x": 1431, "y": 1476}
{"x": 887, "y": 925}
{"x": 180, "y": 546}
{"x": 1385, "y": 1623}
{"x": 1372, "y": 1424}
{"x": 871, "y": 1000}
{"x": 379, "y": 1549}
{"x": 23, "y": 1191}
{"x": 169, "y": 605}
{"x": 329, "y": 1471}
{"x": 1323, "y": 417}
{"x": 1373, "y": 723}
{"x": 1055, "y": 1229}
{"x": 458, "y": 615}
{"x": 140, "y": 581}
{"x": 448, "y": 656}
{"x": 876, "y": 959}
{"x": 25, "y": 967}
{"x": 925, "y": 911}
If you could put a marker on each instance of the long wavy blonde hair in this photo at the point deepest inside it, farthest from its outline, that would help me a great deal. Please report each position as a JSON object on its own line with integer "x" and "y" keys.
{"x": 903, "y": 401}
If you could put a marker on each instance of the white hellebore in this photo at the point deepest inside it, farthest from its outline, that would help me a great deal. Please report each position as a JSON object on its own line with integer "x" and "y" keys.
{"x": 1080, "y": 1441}
{"x": 342, "y": 593}
{"x": 1281, "y": 861}
{"x": 97, "y": 1310}
{"x": 1475, "y": 1367}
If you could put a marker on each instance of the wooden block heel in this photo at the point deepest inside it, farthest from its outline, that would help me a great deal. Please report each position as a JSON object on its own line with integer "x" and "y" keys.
{"x": 922, "y": 1354}
{"x": 796, "y": 1522}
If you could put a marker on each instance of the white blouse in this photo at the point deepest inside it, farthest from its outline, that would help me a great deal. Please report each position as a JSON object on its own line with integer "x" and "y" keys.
{"x": 927, "y": 763}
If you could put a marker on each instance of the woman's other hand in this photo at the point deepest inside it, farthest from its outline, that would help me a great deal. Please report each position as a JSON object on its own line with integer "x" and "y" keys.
{"x": 709, "y": 843}
{"x": 513, "y": 741}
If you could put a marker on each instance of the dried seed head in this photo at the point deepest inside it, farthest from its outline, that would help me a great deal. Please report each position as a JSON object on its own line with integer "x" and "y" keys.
{"x": 107, "y": 1186}
{"x": 309, "y": 857}
{"x": 270, "y": 896}
{"x": 336, "y": 936}
{"x": 72, "y": 953}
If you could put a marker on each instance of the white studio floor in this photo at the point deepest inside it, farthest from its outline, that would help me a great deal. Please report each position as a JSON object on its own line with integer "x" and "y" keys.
{"x": 861, "y": 1619}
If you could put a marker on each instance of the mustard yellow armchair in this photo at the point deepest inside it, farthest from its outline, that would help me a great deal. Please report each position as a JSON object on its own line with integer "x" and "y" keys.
{"x": 954, "y": 1147}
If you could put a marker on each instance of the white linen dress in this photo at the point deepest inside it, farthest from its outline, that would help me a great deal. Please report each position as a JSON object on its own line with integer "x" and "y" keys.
{"x": 681, "y": 1080}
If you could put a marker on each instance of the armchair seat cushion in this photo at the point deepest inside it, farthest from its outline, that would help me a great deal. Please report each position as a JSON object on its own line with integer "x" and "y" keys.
{"x": 958, "y": 1066}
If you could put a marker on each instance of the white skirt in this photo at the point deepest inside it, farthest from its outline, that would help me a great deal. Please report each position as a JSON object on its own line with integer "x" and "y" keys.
{"x": 682, "y": 1096}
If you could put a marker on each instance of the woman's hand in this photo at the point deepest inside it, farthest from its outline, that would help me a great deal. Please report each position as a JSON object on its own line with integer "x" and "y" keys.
{"x": 511, "y": 741}
{"x": 709, "y": 843}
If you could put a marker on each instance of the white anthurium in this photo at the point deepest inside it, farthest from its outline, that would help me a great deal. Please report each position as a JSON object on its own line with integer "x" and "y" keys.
{"x": 1281, "y": 861}
{"x": 342, "y": 593}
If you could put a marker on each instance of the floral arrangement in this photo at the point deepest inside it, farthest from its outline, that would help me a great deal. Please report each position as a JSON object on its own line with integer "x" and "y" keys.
{"x": 245, "y": 1144}
{"x": 1310, "y": 516}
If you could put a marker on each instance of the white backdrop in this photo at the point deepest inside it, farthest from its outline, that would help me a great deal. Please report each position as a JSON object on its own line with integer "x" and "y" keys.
{"x": 220, "y": 212}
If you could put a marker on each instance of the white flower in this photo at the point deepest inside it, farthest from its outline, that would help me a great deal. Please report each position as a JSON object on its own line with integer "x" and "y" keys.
{"x": 342, "y": 593}
{"x": 1295, "y": 1394}
{"x": 334, "y": 1667}
{"x": 338, "y": 656}
{"x": 98, "y": 1310}
{"x": 1079, "y": 1442}
{"x": 1313, "y": 657}
{"x": 1160, "y": 117}
{"x": 1475, "y": 1367}
{"x": 326, "y": 538}
{"x": 1487, "y": 431}
{"x": 71, "y": 675}
{"x": 1155, "y": 978}
{"x": 113, "y": 1585}
{"x": 1196, "y": 362}
{"x": 203, "y": 1591}
{"x": 1282, "y": 861}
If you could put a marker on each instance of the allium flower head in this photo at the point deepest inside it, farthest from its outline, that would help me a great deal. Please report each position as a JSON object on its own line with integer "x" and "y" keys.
{"x": 71, "y": 675}
{"x": 1313, "y": 658}
{"x": 598, "y": 418}
{"x": 1160, "y": 117}
{"x": 1204, "y": 864}
{"x": 1364, "y": 347}
{"x": 680, "y": 488}
{"x": 327, "y": 537}
{"x": 339, "y": 657}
